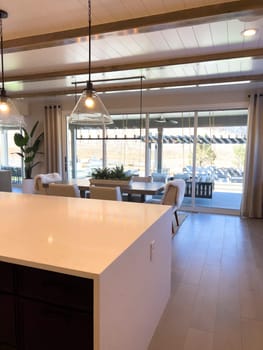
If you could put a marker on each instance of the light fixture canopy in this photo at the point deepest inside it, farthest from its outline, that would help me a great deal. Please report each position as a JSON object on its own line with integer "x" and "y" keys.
{"x": 89, "y": 109}
{"x": 9, "y": 114}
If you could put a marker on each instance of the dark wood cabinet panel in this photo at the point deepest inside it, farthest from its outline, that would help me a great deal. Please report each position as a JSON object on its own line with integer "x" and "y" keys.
{"x": 7, "y": 322}
{"x": 6, "y": 277}
{"x": 56, "y": 288}
{"x": 48, "y": 327}
{"x": 44, "y": 310}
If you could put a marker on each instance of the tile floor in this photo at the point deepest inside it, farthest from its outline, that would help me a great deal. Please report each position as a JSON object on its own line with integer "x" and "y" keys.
{"x": 217, "y": 286}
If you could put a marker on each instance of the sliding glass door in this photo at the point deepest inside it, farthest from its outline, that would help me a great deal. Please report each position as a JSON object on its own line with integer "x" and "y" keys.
{"x": 220, "y": 156}
{"x": 206, "y": 149}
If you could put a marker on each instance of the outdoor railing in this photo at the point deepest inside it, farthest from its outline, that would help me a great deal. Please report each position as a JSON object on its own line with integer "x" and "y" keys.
{"x": 202, "y": 189}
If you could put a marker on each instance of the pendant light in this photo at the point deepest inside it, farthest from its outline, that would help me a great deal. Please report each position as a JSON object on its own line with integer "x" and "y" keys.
{"x": 89, "y": 109}
{"x": 9, "y": 115}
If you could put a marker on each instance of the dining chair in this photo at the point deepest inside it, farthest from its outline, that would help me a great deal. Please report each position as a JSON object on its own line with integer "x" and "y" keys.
{"x": 41, "y": 182}
{"x": 5, "y": 181}
{"x": 63, "y": 190}
{"x": 108, "y": 193}
{"x": 173, "y": 195}
{"x": 141, "y": 178}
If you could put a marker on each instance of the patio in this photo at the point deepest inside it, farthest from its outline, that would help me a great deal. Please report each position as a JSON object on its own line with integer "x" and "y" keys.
{"x": 224, "y": 200}
{"x": 225, "y": 196}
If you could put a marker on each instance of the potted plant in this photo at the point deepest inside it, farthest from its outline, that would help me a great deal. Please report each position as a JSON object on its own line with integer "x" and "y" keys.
{"x": 29, "y": 147}
{"x": 110, "y": 176}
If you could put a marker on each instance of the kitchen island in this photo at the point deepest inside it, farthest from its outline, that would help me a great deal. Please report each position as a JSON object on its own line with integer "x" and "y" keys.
{"x": 78, "y": 271}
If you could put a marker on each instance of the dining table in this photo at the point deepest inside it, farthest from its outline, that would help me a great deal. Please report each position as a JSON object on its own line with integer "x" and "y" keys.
{"x": 135, "y": 187}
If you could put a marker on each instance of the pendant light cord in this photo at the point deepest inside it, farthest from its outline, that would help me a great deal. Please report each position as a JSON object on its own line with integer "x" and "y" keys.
{"x": 89, "y": 32}
{"x": 141, "y": 107}
{"x": 2, "y": 56}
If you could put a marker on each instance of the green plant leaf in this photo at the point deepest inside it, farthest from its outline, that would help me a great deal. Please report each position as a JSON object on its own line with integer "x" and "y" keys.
{"x": 29, "y": 159}
{"x": 106, "y": 173}
{"x": 20, "y": 154}
{"x": 34, "y": 129}
{"x": 29, "y": 147}
{"x": 36, "y": 144}
{"x": 20, "y": 140}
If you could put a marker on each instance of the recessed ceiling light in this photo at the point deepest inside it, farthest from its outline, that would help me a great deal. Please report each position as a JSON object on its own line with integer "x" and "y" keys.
{"x": 249, "y": 32}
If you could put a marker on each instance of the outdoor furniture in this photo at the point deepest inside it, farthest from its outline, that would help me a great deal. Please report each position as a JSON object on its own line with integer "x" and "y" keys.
{"x": 16, "y": 173}
{"x": 5, "y": 181}
{"x": 159, "y": 177}
{"x": 202, "y": 189}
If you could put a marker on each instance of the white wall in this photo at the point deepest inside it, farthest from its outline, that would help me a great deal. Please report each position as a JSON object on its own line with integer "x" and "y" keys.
{"x": 184, "y": 99}
{"x": 177, "y": 100}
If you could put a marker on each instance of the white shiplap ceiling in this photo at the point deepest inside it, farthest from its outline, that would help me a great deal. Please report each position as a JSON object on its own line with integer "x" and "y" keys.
{"x": 170, "y": 42}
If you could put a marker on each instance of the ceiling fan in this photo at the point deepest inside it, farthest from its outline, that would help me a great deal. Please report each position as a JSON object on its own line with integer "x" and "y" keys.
{"x": 162, "y": 119}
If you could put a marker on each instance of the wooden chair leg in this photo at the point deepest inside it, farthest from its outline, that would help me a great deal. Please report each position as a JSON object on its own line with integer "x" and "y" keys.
{"x": 176, "y": 217}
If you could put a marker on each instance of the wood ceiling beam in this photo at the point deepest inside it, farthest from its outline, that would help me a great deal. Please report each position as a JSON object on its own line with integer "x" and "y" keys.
{"x": 177, "y": 18}
{"x": 146, "y": 85}
{"x": 137, "y": 65}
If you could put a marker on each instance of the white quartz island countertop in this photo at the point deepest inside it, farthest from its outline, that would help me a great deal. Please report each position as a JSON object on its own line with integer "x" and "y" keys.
{"x": 124, "y": 247}
{"x": 71, "y": 235}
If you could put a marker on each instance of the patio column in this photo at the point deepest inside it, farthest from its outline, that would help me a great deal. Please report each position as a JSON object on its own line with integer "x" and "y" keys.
{"x": 159, "y": 150}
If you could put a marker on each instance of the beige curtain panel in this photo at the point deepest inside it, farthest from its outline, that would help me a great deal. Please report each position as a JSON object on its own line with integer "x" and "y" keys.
{"x": 53, "y": 139}
{"x": 252, "y": 201}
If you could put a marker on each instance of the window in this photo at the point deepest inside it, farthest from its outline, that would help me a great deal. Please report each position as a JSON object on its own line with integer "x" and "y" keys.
{"x": 9, "y": 160}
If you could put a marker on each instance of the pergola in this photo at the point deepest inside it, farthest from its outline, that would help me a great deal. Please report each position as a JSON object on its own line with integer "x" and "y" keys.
{"x": 199, "y": 139}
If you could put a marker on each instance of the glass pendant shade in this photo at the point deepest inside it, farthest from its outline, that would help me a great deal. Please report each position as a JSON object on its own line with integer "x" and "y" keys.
{"x": 9, "y": 114}
{"x": 90, "y": 110}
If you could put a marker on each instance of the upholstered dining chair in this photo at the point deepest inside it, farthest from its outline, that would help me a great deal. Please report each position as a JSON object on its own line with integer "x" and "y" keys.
{"x": 142, "y": 178}
{"x": 173, "y": 195}
{"x": 64, "y": 190}
{"x": 109, "y": 193}
{"x": 41, "y": 182}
